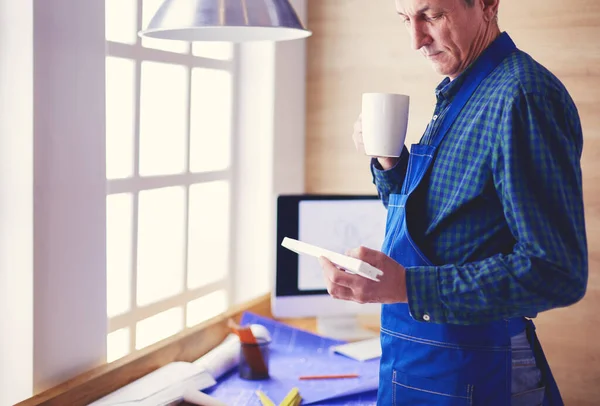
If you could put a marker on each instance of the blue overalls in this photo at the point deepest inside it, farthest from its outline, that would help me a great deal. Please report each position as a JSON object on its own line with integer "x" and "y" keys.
{"x": 444, "y": 364}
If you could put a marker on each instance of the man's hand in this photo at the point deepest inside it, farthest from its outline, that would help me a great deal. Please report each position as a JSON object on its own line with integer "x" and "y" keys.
{"x": 391, "y": 287}
{"x": 386, "y": 163}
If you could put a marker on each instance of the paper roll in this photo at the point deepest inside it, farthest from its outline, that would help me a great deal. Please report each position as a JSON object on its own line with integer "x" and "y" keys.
{"x": 201, "y": 399}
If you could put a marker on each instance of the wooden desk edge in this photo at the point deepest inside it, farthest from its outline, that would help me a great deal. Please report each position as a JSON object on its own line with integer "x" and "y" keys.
{"x": 186, "y": 346}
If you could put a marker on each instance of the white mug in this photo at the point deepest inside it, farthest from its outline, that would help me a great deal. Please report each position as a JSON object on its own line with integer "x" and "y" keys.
{"x": 384, "y": 123}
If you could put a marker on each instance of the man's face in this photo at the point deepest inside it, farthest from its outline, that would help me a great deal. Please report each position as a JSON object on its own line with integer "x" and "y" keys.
{"x": 445, "y": 31}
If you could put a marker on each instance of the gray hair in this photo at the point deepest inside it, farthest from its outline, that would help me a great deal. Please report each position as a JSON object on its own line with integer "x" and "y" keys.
{"x": 470, "y": 4}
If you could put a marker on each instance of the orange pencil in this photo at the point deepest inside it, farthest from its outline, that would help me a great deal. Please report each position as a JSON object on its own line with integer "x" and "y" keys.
{"x": 341, "y": 376}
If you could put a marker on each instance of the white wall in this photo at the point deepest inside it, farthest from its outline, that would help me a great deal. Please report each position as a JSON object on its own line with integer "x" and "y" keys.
{"x": 269, "y": 156}
{"x": 52, "y": 193}
{"x": 289, "y": 107}
{"x": 16, "y": 200}
{"x": 69, "y": 190}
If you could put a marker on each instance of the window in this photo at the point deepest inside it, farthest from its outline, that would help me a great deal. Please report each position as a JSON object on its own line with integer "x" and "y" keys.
{"x": 169, "y": 180}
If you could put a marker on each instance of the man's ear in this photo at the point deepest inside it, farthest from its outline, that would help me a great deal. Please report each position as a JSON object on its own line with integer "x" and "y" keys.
{"x": 490, "y": 9}
{"x": 398, "y": 5}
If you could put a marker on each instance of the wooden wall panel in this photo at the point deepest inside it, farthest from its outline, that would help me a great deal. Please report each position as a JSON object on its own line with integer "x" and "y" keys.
{"x": 361, "y": 45}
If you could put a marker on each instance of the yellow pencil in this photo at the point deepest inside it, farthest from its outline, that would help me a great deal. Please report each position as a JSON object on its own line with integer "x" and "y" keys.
{"x": 291, "y": 398}
{"x": 298, "y": 401}
{"x": 264, "y": 399}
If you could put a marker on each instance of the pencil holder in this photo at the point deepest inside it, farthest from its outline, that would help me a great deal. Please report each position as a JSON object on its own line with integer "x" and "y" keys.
{"x": 254, "y": 360}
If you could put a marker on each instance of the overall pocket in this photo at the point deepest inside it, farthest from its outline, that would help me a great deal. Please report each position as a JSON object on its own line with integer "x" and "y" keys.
{"x": 527, "y": 386}
{"x": 419, "y": 391}
{"x": 534, "y": 397}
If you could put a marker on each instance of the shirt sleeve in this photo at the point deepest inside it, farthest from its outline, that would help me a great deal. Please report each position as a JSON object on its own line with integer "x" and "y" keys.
{"x": 389, "y": 181}
{"x": 537, "y": 176}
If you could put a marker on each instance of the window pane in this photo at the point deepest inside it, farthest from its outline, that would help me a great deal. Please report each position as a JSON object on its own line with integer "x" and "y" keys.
{"x": 158, "y": 327}
{"x": 117, "y": 344}
{"x": 164, "y": 115}
{"x": 208, "y": 245}
{"x": 120, "y": 117}
{"x": 161, "y": 242}
{"x": 121, "y": 21}
{"x": 206, "y": 307}
{"x": 213, "y": 49}
{"x": 210, "y": 131}
{"x": 149, "y": 8}
{"x": 119, "y": 232}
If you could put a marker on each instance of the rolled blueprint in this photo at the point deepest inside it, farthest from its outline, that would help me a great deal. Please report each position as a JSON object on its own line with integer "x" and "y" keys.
{"x": 226, "y": 355}
{"x": 196, "y": 397}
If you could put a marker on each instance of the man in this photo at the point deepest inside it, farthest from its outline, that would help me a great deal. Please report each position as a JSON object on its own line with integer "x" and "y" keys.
{"x": 485, "y": 221}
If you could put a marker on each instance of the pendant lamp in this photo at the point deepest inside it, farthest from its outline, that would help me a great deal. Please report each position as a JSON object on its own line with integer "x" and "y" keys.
{"x": 226, "y": 20}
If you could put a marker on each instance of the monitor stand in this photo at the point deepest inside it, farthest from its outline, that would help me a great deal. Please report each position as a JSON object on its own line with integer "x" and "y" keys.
{"x": 347, "y": 328}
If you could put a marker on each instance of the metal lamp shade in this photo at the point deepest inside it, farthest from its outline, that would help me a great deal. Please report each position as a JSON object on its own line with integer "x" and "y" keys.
{"x": 226, "y": 20}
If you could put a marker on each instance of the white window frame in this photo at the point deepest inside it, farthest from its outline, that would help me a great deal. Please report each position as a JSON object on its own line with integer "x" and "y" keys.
{"x": 134, "y": 185}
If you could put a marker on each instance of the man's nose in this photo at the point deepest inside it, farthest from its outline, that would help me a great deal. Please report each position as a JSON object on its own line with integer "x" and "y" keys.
{"x": 420, "y": 36}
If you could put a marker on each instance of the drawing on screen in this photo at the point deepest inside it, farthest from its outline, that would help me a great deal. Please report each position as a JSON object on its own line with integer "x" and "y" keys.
{"x": 359, "y": 231}
{"x": 337, "y": 226}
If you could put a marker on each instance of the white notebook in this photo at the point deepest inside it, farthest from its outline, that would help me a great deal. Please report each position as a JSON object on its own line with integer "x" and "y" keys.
{"x": 352, "y": 265}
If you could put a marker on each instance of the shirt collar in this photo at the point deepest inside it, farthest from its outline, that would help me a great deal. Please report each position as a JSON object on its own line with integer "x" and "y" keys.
{"x": 447, "y": 89}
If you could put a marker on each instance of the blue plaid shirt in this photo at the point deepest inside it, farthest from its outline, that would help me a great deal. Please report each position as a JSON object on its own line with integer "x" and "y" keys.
{"x": 500, "y": 212}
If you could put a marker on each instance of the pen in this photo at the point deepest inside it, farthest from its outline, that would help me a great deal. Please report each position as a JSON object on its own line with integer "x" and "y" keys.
{"x": 340, "y": 376}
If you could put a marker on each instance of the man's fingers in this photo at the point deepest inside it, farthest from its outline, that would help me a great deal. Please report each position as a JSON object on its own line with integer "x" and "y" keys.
{"x": 357, "y": 134}
{"x": 357, "y": 138}
{"x": 359, "y": 146}
{"x": 358, "y": 124}
{"x": 336, "y": 283}
{"x": 337, "y": 276}
{"x": 372, "y": 257}
{"x": 340, "y": 292}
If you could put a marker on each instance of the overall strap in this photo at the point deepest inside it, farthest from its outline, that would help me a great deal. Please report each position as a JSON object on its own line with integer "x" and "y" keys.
{"x": 485, "y": 64}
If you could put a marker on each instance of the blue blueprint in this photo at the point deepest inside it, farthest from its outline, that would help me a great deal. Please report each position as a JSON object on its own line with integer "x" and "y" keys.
{"x": 294, "y": 353}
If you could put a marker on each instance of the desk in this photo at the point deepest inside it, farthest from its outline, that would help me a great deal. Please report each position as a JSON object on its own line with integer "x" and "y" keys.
{"x": 186, "y": 346}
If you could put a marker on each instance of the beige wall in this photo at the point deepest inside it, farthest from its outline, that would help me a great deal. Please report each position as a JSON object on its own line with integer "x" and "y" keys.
{"x": 361, "y": 45}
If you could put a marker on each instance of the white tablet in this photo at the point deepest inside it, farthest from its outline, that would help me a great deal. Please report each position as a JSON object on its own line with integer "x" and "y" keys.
{"x": 352, "y": 265}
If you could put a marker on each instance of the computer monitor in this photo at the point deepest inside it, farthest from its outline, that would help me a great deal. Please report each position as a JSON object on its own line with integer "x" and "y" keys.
{"x": 334, "y": 222}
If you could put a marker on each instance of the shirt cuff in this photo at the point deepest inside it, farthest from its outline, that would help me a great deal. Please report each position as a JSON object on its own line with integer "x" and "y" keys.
{"x": 393, "y": 177}
{"x": 423, "y": 290}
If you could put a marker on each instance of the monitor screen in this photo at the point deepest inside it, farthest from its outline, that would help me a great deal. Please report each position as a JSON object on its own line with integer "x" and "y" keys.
{"x": 334, "y": 222}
